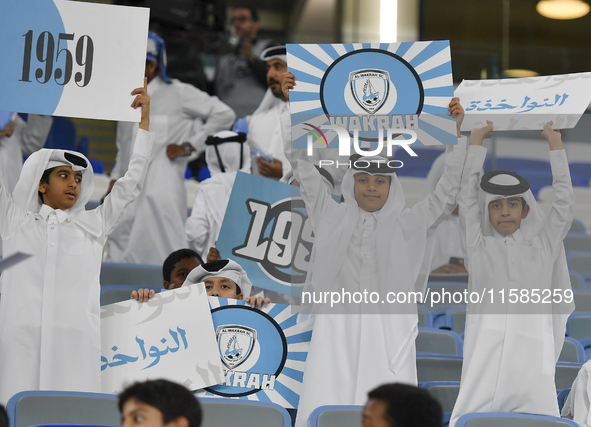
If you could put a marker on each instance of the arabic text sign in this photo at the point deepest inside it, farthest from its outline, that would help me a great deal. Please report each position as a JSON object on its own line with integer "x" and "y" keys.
{"x": 526, "y": 103}
{"x": 59, "y": 58}
{"x": 171, "y": 336}
{"x": 373, "y": 91}
{"x": 263, "y": 351}
{"x": 267, "y": 232}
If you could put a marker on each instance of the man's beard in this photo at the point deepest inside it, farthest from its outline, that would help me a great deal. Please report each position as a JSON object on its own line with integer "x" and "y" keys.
{"x": 277, "y": 92}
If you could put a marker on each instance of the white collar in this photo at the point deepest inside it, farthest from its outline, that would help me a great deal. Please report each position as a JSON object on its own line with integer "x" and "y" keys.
{"x": 516, "y": 237}
{"x": 45, "y": 211}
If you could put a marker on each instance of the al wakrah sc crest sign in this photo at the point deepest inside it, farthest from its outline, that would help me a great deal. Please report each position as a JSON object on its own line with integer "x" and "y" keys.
{"x": 263, "y": 352}
{"x": 368, "y": 89}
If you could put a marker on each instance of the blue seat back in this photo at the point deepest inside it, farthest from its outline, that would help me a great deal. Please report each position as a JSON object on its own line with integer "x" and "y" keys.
{"x": 336, "y": 416}
{"x": 29, "y": 408}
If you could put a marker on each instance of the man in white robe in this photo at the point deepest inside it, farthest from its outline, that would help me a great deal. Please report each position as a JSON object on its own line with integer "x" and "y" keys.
{"x": 154, "y": 226}
{"x": 264, "y": 126}
{"x": 367, "y": 243}
{"x": 49, "y": 318}
{"x": 226, "y": 153}
{"x": 513, "y": 253}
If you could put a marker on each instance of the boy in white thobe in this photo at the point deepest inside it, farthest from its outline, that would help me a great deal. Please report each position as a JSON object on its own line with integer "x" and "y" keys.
{"x": 49, "y": 318}
{"x": 511, "y": 347}
{"x": 368, "y": 242}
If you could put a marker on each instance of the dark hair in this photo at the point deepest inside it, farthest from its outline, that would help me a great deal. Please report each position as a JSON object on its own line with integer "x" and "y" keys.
{"x": 253, "y": 13}
{"x": 523, "y": 203}
{"x": 3, "y": 416}
{"x": 408, "y": 406}
{"x": 175, "y": 257}
{"x": 171, "y": 399}
{"x": 45, "y": 179}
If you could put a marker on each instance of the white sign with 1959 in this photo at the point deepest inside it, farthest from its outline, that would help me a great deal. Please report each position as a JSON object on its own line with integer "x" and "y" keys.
{"x": 71, "y": 59}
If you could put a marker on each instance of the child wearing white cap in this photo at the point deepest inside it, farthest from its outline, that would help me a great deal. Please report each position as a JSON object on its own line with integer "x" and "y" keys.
{"x": 515, "y": 258}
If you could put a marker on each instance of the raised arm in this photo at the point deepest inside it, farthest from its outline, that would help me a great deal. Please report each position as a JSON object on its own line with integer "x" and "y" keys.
{"x": 559, "y": 220}
{"x": 312, "y": 188}
{"x": 470, "y": 230}
{"x": 126, "y": 189}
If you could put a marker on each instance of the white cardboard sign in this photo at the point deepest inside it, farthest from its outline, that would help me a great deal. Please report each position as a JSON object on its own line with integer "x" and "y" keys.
{"x": 171, "y": 336}
{"x": 74, "y": 59}
{"x": 525, "y": 103}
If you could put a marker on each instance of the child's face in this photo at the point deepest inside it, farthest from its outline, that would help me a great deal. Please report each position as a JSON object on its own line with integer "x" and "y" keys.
{"x": 221, "y": 287}
{"x": 371, "y": 191}
{"x": 63, "y": 188}
{"x": 180, "y": 271}
{"x": 506, "y": 214}
{"x": 138, "y": 414}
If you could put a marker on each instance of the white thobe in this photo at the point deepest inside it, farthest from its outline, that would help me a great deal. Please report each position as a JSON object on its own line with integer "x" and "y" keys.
{"x": 154, "y": 226}
{"x": 49, "y": 318}
{"x": 509, "y": 356}
{"x": 211, "y": 200}
{"x": 577, "y": 405}
{"x": 264, "y": 130}
{"x": 352, "y": 353}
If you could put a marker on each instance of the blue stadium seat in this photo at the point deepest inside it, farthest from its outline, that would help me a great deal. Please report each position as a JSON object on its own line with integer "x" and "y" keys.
{"x": 131, "y": 274}
{"x": 418, "y": 166}
{"x": 425, "y": 316}
{"x": 577, "y": 243}
{"x": 578, "y": 326}
{"x": 565, "y": 374}
{"x": 582, "y": 301}
{"x": 455, "y": 318}
{"x": 446, "y": 393}
{"x": 572, "y": 351}
{"x": 581, "y": 171}
{"x": 577, "y": 227}
{"x": 439, "y": 368}
{"x": 238, "y": 412}
{"x": 97, "y": 166}
{"x": 561, "y": 395}
{"x": 577, "y": 280}
{"x": 514, "y": 164}
{"x": 503, "y": 419}
{"x": 335, "y": 416}
{"x": 62, "y": 134}
{"x": 438, "y": 342}
{"x": 31, "y": 408}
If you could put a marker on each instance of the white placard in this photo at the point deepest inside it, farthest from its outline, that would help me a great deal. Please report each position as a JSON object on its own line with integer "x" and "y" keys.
{"x": 74, "y": 59}
{"x": 525, "y": 103}
{"x": 171, "y": 336}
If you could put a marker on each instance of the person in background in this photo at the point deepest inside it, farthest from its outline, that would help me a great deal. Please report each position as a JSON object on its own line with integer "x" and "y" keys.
{"x": 159, "y": 403}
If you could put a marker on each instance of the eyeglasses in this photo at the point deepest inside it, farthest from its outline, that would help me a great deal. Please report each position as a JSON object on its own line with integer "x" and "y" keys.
{"x": 239, "y": 19}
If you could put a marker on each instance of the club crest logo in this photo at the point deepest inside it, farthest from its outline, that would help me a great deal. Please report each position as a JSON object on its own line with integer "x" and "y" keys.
{"x": 235, "y": 343}
{"x": 370, "y": 88}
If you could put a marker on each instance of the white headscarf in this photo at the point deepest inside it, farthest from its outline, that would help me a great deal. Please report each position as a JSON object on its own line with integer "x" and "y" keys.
{"x": 223, "y": 268}
{"x": 530, "y": 227}
{"x": 25, "y": 193}
{"x": 229, "y": 149}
